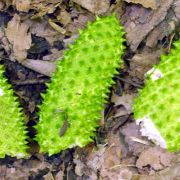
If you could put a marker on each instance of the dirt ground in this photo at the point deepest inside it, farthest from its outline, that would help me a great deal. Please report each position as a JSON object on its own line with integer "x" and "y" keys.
{"x": 34, "y": 34}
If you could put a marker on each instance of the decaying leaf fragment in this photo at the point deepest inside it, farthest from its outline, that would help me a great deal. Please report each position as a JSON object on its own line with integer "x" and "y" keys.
{"x": 19, "y": 37}
{"x": 22, "y": 5}
{"x": 96, "y": 7}
{"x": 154, "y": 4}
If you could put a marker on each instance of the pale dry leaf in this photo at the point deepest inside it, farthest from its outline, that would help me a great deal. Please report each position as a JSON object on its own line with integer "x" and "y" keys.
{"x": 55, "y": 54}
{"x": 154, "y": 4}
{"x": 164, "y": 29}
{"x": 59, "y": 175}
{"x": 7, "y": 2}
{"x": 56, "y": 27}
{"x": 107, "y": 157}
{"x": 130, "y": 130}
{"x": 176, "y": 7}
{"x": 19, "y": 37}
{"x": 31, "y": 106}
{"x": 22, "y": 5}
{"x": 48, "y": 176}
{"x": 64, "y": 17}
{"x": 141, "y": 63}
{"x": 4, "y": 42}
{"x": 125, "y": 100}
{"x": 79, "y": 23}
{"x": 170, "y": 173}
{"x": 125, "y": 174}
{"x": 139, "y": 22}
{"x": 2, "y": 5}
{"x": 94, "y": 6}
{"x": 44, "y": 6}
{"x": 43, "y": 29}
{"x": 155, "y": 157}
{"x": 79, "y": 167}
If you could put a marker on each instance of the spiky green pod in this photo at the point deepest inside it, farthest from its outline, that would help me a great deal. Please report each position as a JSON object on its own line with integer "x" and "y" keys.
{"x": 158, "y": 105}
{"x": 77, "y": 92}
{"x": 12, "y": 129}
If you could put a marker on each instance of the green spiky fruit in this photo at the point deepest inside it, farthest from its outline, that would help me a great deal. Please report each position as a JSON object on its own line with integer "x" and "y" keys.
{"x": 158, "y": 105}
{"x": 77, "y": 92}
{"x": 12, "y": 129}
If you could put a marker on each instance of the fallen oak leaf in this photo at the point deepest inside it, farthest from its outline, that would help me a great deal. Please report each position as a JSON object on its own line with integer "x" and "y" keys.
{"x": 22, "y": 5}
{"x": 19, "y": 37}
{"x": 154, "y": 4}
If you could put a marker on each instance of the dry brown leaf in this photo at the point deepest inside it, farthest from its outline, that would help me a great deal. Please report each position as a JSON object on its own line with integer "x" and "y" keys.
{"x": 55, "y": 54}
{"x": 155, "y": 157}
{"x": 79, "y": 23}
{"x": 154, "y": 4}
{"x": 126, "y": 100}
{"x": 139, "y": 22}
{"x": 19, "y": 37}
{"x": 43, "y": 29}
{"x": 132, "y": 130}
{"x": 164, "y": 29}
{"x": 59, "y": 175}
{"x": 105, "y": 160}
{"x": 141, "y": 63}
{"x": 7, "y": 2}
{"x": 22, "y": 5}
{"x": 64, "y": 17}
{"x": 56, "y": 27}
{"x": 48, "y": 176}
{"x": 2, "y": 4}
{"x": 31, "y": 106}
{"x": 94, "y": 6}
{"x": 176, "y": 7}
{"x": 5, "y": 43}
{"x": 170, "y": 173}
{"x": 79, "y": 167}
{"x": 44, "y": 6}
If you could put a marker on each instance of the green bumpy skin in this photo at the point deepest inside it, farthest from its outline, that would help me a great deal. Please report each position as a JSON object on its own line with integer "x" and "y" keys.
{"x": 12, "y": 130}
{"x": 80, "y": 86}
{"x": 159, "y": 101}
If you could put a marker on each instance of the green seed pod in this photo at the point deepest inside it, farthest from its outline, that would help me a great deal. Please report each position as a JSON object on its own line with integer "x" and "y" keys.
{"x": 12, "y": 129}
{"x": 157, "y": 108}
{"x": 76, "y": 95}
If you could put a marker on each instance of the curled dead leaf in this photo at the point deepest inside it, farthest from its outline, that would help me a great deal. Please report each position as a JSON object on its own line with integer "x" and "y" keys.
{"x": 154, "y": 4}
{"x": 96, "y": 7}
{"x": 22, "y": 5}
{"x": 19, "y": 37}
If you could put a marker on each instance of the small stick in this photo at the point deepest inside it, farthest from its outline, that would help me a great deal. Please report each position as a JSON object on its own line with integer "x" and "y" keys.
{"x": 30, "y": 82}
{"x": 122, "y": 165}
{"x": 130, "y": 82}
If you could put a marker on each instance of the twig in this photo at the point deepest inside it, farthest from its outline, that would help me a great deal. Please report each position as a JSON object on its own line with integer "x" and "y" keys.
{"x": 130, "y": 82}
{"x": 135, "y": 139}
{"x": 121, "y": 165}
{"x": 30, "y": 82}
